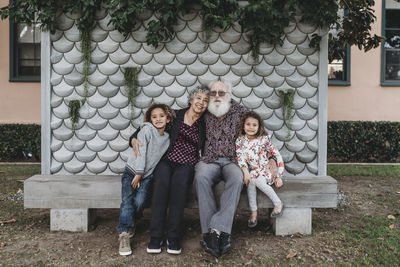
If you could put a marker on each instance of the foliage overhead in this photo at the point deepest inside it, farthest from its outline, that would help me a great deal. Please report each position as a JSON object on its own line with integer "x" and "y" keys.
{"x": 264, "y": 21}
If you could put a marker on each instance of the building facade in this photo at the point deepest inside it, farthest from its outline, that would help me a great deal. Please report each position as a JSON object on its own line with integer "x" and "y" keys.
{"x": 365, "y": 93}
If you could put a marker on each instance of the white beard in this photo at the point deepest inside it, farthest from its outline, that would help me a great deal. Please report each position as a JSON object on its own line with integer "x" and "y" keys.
{"x": 219, "y": 110}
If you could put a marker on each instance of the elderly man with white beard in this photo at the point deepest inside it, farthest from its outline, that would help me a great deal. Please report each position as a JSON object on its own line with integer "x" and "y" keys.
{"x": 219, "y": 163}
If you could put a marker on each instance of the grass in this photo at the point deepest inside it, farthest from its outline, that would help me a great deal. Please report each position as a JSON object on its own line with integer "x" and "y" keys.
{"x": 357, "y": 240}
{"x": 19, "y": 170}
{"x": 364, "y": 170}
{"x": 373, "y": 242}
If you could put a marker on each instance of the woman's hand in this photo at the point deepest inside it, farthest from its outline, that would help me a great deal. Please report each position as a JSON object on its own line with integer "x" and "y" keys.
{"x": 135, "y": 146}
{"x": 136, "y": 181}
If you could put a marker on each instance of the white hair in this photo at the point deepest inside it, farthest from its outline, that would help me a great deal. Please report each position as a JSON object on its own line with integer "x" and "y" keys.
{"x": 228, "y": 85}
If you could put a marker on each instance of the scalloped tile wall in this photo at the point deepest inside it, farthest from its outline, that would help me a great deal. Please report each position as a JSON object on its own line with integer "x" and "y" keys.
{"x": 168, "y": 72}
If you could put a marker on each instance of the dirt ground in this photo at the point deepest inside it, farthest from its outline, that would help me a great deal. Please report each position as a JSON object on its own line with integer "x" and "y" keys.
{"x": 28, "y": 241}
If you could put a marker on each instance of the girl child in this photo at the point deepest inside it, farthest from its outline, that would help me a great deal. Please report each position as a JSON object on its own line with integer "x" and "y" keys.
{"x": 136, "y": 180}
{"x": 253, "y": 152}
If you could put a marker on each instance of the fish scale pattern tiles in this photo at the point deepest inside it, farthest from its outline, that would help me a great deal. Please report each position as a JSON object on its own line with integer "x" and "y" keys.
{"x": 99, "y": 144}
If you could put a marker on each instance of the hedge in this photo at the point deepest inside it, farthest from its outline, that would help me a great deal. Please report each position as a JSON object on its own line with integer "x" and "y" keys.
{"x": 17, "y": 139}
{"x": 363, "y": 141}
{"x": 348, "y": 141}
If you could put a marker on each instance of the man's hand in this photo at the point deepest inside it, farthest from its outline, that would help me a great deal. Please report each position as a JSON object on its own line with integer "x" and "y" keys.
{"x": 273, "y": 168}
{"x": 246, "y": 176}
{"x": 135, "y": 146}
{"x": 136, "y": 181}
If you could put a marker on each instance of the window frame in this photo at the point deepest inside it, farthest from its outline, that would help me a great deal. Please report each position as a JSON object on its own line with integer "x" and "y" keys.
{"x": 383, "y": 55}
{"x": 346, "y": 72}
{"x": 13, "y": 58}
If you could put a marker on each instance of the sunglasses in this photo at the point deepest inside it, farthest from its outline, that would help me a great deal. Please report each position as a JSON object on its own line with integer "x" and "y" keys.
{"x": 220, "y": 93}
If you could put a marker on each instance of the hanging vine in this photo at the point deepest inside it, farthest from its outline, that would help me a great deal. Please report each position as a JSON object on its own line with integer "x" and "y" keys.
{"x": 272, "y": 18}
{"x": 287, "y": 98}
{"x": 74, "y": 107}
{"x": 218, "y": 13}
{"x": 132, "y": 84}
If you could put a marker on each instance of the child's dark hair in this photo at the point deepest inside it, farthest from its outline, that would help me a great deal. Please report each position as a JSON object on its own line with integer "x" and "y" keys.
{"x": 168, "y": 111}
{"x": 251, "y": 114}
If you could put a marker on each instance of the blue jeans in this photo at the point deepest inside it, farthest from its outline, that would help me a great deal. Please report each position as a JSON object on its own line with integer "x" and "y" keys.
{"x": 133, "y": 200}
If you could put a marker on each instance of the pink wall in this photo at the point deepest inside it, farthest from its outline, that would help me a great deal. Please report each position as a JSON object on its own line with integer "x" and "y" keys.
{"x": 365, "y": 99}
{"x": 19, "y": 101}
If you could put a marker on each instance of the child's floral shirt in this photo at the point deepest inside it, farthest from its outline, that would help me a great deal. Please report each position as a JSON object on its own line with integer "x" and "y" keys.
{"x": 253, "y": 154}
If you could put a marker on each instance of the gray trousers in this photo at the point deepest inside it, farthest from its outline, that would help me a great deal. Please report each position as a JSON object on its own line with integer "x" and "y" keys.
{"x": 207, "y": 175}
{"x": 261, "y": 183}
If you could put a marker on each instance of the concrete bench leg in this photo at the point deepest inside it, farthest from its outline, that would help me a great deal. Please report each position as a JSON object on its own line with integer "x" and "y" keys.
{"x": 74, "y": 220}
{"x": 293, "y": 220}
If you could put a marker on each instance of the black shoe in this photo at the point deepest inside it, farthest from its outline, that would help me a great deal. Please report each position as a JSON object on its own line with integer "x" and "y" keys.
{"x": 155, "y": 245}
{"x": 174, "y": 246}
{"x": 211, "y": 244}
{"x": 225, "y": 242}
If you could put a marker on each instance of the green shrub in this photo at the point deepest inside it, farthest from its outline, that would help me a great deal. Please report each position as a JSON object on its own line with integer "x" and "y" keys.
{"x": 348, "y": 141}
{"x": 18, "y": 138}
{"x": 363, "y": 141}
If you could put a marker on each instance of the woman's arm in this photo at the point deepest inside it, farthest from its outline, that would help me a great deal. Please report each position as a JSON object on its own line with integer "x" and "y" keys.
{"x": 135, "y": 143}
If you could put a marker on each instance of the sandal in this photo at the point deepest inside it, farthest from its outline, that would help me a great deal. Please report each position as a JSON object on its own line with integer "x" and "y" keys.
{"x": 277, "y": 211}
{"x": 252, "y": 223}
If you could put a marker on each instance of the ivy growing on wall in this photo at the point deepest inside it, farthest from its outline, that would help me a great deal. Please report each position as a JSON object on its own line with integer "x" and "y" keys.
{"x": 132, "y": 84}
{"x": 74, "y": 107}
{"x": 287, "y": 98}
{"x": 264, "y": 21}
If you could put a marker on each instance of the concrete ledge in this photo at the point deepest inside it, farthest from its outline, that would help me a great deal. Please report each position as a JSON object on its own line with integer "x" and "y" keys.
{"x": 104, "y": 191}
{"x": 71, "y": 196}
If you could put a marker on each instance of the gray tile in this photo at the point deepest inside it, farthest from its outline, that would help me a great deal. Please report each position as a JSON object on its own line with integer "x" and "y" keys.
{"x": 74, "y": 165}
{"x": 63, "y": 154}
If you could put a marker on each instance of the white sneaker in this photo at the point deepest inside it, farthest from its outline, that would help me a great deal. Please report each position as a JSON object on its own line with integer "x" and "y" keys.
{"x": 174, "y": 246}
{"x": 124, "y": 244}
{"x": 154, "y": 247}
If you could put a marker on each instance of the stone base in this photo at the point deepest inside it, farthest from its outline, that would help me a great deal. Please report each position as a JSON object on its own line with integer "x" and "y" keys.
{"x": 293, "y": 220}
{"x": 74, "y": 220}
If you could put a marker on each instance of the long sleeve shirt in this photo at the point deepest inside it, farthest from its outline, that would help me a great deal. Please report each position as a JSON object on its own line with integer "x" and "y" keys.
{"x": 253, "y": 154}
{"x": 152, "y": 149}
{"x": 222, "y": 133}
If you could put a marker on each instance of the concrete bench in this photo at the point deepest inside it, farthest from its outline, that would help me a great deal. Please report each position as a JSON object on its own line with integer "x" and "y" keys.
{"x": 74, "y": 198}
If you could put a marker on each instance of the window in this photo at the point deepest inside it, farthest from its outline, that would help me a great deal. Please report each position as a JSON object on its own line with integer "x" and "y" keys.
{"x": 390, "y": 73}
{"x": 24, "y": 52}
{"x": 339, "y": 70}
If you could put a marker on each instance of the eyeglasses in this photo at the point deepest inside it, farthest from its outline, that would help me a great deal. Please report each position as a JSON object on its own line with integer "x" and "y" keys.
{"x": 220, "y": 93}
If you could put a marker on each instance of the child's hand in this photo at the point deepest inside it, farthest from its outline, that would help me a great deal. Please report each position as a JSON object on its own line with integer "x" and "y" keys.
{"x": 278, "y": 182}
{"x": 136, "y": 181}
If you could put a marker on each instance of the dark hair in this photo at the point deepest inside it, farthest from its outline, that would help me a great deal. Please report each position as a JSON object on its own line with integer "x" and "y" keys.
{"x": 251, "y": 114}
{"x": 168, "y": 111}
